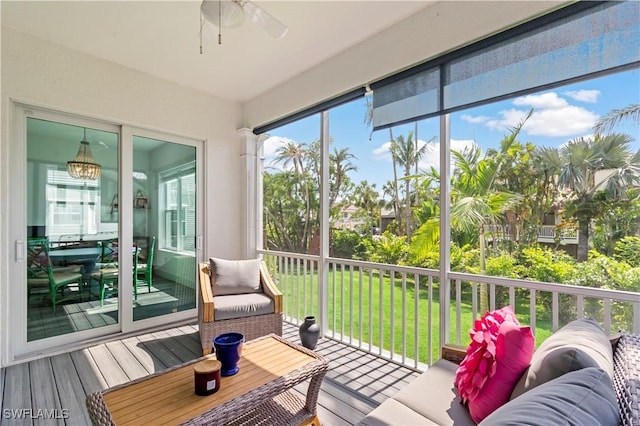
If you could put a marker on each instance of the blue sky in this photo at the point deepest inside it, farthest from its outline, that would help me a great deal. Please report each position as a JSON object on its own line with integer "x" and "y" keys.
{"x": 560, "y": 115}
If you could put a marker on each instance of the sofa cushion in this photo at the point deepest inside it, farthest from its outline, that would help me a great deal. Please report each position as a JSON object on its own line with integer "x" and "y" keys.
{"x": 581, "y": 343}
{"x": 392, "y": 412}
{"x": 433, "y": 396}
{"x": 241, "y": 305}
{"x": 514, "y": 348}
{"x": 235, "y": 276}
{"x": 581, "y": 397}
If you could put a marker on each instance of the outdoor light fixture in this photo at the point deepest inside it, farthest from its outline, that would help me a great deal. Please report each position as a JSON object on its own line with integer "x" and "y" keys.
{"x": 84, "y": 166}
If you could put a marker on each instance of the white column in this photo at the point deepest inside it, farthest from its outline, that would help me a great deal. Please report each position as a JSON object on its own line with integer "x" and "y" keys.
{"x": 250, "y": 205}
{"x": 445, "y": 227}
{"x": 323, "y": 266}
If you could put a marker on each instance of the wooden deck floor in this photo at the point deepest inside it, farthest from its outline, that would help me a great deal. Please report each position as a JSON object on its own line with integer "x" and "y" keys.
{"x": 33, "y": 392}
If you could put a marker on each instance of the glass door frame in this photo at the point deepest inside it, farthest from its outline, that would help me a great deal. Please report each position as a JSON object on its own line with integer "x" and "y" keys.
{"x": 17, "y": 232}
{"x": 128, "y": 133}
{"x": 16, "y": 332}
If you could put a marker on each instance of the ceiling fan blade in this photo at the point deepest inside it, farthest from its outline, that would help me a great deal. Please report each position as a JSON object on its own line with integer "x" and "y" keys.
{"x": 223, "y": 13}
{"x": 260, "y": 17}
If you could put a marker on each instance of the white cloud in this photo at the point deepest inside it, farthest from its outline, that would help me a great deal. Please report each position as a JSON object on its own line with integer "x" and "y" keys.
{"x": 549, "y": 100}
{"x": 432, "y": 157}
{"x": 480, "y": 119}
{"x": 553, "y": 116}
{"x": 570, "y": 121}
{"x": 508, "y": 118}
{"x": 382, "y": 152}
{"x": 587, "y": 96}
{"x": 272, "y": 143}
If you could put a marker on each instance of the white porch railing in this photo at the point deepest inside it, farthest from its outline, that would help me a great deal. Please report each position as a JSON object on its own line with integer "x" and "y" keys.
{"x": 545, "y": 234}
{"x": 366, "y": 311}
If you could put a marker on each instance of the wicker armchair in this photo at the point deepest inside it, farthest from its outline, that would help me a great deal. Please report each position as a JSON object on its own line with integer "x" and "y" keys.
{"x": 252, "y": 326}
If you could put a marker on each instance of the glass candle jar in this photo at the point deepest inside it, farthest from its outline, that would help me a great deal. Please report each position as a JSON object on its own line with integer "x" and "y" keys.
{"x": 207, "y": 377}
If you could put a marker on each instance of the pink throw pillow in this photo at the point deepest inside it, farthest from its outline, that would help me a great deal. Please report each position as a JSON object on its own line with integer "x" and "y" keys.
{"x": 499, "y": 352}
{"x": 514, "y": 348}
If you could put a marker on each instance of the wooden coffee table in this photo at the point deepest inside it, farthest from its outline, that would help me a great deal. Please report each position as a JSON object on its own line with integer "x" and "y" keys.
{"x": 258, "y": 394}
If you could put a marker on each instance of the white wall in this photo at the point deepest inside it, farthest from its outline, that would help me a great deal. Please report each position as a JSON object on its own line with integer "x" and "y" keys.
{"x": 429, "y": 33}
{"x": 40, "y": 73}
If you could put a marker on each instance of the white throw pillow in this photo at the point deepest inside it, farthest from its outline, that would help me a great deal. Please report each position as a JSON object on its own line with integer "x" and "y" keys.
{"x": 235, "y": 276}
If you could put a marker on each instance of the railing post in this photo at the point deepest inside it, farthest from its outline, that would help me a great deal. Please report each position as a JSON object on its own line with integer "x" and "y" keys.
{"x": 323, "y": 264}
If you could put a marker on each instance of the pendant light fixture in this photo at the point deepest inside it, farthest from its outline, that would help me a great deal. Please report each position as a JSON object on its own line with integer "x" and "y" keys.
{"x": 84, "y": 166}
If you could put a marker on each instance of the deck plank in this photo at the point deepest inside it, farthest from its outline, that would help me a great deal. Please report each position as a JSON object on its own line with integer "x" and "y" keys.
{"x": 355, "y": 383}
{"x": 172, "y": 344}
{"x": 17, "y": 395}
{"x": 2, "y": 375}
{"x": 126, "y": 360}
{"x": 44, "y": 395}
{"x": 186, "y": 341}
{"x": 88, "y": 371}
{"x": 149, "y": 361}
{"x": 111, "y": 371}
{"x": 70, "y": 390}
{"x": 160, "y": 351}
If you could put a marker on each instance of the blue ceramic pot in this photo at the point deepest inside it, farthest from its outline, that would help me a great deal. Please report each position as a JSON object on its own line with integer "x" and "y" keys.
{"x": 228, "y": 348}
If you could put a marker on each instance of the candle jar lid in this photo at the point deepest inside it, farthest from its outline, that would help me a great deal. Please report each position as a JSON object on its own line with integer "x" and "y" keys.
{"x": 207, "y": 366}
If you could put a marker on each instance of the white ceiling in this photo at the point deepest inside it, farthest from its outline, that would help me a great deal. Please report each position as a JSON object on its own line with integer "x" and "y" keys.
{"x": 161, "y": 38}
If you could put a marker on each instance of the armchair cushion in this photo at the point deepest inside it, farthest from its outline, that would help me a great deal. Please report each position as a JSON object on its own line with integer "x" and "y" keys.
{"x": 242, "y": 305}
{"x": 235, "y": 276}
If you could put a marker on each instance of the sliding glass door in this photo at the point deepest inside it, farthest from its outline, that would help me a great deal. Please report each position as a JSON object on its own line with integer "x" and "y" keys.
{"x": 69, "y": 174}
{"x": 164, "y": 220}
{"x": 105, "y": 223}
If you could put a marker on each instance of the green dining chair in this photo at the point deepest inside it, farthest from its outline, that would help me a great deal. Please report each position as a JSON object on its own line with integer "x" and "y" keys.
{"x": 108, "y": 253}
{"x": 42, "y": 274}
{"x": 143, "y": 272}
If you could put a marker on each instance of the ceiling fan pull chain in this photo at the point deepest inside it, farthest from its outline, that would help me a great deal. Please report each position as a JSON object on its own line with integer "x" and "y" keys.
{"x": 219, "y": 22}
{"x": 201, "y": 25}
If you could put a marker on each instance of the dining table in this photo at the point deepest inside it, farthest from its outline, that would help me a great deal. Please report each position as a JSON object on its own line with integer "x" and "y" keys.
{"x": 85, "y": 256}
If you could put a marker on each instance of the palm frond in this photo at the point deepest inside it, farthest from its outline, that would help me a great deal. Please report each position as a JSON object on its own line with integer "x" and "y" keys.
{"x": 608, "y": 121}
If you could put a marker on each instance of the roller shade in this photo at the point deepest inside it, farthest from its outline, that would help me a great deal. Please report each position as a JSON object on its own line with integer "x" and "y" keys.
{"x": 406, "y": 99}
{"x": 555, "y": 49}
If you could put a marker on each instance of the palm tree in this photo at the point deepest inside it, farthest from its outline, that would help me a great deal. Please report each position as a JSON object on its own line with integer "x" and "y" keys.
{"x": 291, "y": 152}
{"x": 475, "y": 201}
{"x": 366, "y": 197}
{"x": 341, "y": 165}
{"x": 296, "y": 154}
{"x": 407, "y": 155}
{"x": 575, "y": 166}
{"x": 396, "y": 197}
{"x": 607, "y": 122}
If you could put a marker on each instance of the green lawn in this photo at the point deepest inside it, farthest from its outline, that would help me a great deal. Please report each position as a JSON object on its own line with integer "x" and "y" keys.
{"x": 350, "y": 290}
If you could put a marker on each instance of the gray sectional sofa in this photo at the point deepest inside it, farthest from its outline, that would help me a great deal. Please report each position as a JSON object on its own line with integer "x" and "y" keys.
{"x": 578, "y": 376}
